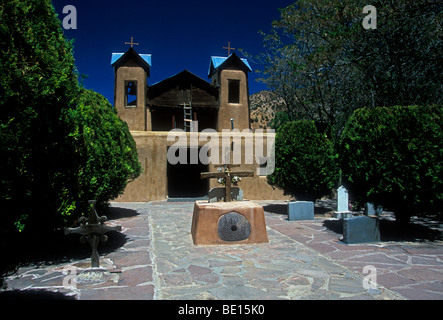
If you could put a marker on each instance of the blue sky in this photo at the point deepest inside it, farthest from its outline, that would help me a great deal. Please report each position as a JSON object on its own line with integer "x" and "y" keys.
{"x": 179, "y": 34}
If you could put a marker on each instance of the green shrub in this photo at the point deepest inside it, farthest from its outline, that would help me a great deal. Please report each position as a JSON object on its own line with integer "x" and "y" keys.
{"x": 279, "y": 119}
{"x": 38, "y": 84}
{"x": 60, "y": 145}
{"x": 394, "y": 157}
{"x": 107, "y": 150}
{"x": 305, "y": 162}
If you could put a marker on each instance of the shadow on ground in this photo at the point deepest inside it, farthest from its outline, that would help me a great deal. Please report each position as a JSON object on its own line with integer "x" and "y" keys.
{"x": 56, "y": 247}
{"x": 416, "y": 231}
{"x": 391, "y": 231}
{"x": 34, "y": 294}
{"x": 280, "y": 208}
{"x": 413, "y": 232}
{"x": 320, "y": 208}
{"x": 115, "y": 213}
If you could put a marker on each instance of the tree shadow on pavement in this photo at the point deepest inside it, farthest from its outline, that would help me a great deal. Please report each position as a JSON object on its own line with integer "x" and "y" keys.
{"x": 34, "y": 294}
{"x": 391, "y": 231}
{"x": 55, "y": 247}
{"x": 412, "y": 232}
{"x": 334, "y": 226}
{"x": 279, "y": 208}
{"x": 115, "y": 213}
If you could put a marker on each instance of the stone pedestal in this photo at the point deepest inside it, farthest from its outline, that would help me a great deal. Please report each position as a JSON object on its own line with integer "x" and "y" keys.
{"x": 342, "y": 199}
{"x": 237, "y": 222}
{"x": 301, "y": 210}
{"x": 361, "y": 229}
{"x": 342, "y": 204}
{"x": 342, "y": 215}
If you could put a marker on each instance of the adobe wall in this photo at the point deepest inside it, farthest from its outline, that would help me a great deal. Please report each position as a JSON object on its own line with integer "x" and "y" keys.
{"x": 137, "y": 118}
{"x": 152, "y": 184}
{"x": 238, "y": 111}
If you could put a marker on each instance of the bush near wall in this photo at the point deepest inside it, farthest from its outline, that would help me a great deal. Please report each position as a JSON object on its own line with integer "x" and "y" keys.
{"x": 38, "y": 84}
{"x": 305, "y": 162}
{"x": 106, "y": 150}
{"x": 393, "y": 156}
{"x": 60, "y": 145}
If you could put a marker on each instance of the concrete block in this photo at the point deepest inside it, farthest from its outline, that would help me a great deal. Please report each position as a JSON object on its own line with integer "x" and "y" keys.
{"x": 301, "y": 210}
{"x": 361, "y": 229}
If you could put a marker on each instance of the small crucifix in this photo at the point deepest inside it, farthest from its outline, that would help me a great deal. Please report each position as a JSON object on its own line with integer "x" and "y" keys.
{"x": 132, "y": 42}
{"x": 92, "y": 230}
{"x": 229, "y": 48}
{"x": 227, "y": 174}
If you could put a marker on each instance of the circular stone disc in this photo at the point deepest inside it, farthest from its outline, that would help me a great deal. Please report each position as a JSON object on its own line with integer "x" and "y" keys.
{"x": 233, "y": 226}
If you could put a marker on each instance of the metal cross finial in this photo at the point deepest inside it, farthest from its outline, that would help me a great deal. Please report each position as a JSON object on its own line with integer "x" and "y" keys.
{"x": 229, "y": 48}
{"x": 92, "y": 230}
{"x": 132, "y": 42}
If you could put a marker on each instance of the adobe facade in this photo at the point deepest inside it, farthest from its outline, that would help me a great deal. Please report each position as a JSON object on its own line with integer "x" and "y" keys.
{"x": 202, "y": 114}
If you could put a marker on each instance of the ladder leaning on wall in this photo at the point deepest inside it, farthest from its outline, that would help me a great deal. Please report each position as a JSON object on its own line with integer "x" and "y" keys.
{"x": 187, "y": 116}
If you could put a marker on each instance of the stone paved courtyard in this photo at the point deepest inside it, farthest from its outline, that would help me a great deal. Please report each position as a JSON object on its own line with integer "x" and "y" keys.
{"x": 303, "y": 260}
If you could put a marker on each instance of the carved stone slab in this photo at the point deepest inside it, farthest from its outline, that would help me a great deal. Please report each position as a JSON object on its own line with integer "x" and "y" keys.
{"x": 233, "y": 226}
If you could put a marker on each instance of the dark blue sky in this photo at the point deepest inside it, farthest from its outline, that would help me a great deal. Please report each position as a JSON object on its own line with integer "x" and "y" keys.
{"x": 179, "y": 34}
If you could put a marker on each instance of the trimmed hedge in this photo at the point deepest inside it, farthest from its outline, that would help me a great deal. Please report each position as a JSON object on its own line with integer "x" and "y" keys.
{"x": 106, "y": 151}
{"x": 60, "y": 145}
{"x": 305, "y": 163}
{"x": 38, "y": 85}
{"x": 393, "y": 156}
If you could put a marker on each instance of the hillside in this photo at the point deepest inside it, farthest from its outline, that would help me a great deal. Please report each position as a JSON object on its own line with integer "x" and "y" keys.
{"x": 262, "y": 110}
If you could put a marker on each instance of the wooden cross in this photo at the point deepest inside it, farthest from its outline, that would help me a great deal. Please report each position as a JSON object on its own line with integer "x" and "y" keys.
{"x": 229, "y": 48}
{"x": 132, "y": 42}
{"x": 227, "y": 174}
{"x": 93, "y": 231}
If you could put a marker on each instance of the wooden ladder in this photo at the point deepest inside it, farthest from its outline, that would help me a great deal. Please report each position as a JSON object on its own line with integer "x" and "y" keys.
{"x": 187, "y": 116}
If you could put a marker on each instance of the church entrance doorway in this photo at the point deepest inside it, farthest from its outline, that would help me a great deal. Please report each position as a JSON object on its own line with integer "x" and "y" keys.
{"x": 184, "y": 179}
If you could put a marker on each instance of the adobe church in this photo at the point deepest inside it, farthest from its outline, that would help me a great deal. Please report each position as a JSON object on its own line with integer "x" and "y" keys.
{"x": 191, "y": 104}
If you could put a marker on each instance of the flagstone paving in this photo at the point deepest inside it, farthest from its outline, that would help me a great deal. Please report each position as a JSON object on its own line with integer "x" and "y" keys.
{"x": 303, "y": 260}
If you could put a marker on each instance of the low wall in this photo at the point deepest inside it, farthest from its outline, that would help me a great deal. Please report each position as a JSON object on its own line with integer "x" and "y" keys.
{"x": 152, "y": 148}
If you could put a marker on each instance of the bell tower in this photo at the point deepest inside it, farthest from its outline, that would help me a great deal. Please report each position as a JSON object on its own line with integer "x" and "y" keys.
{"x": 131, "y": 72}
{"x": 231, "y": 75}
